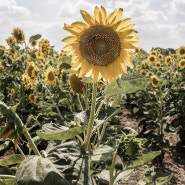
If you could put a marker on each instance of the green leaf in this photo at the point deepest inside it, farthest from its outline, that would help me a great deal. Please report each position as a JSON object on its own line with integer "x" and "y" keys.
{"x": 144, "y": 159}
{"x": 163, "y": 180}
{"x": 87, "y": 80}
{"x": 9, "y": 182}
{"x": 102, "y": 153}
{"x": 62, "y": 135}
{"x": 37, "y": 170}
{"x": 13, "y": 159}
{"x": 66, "y": 59}
{"x": 126, "y": 86}
{"x": 34, "y": 37}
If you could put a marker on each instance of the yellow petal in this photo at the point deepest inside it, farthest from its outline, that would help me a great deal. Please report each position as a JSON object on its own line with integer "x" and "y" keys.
{"x": 128, "y": 27}
{"x": 74, "y": 31}
{"x": 96, "y": 73}
{"x": 97, "y": 15}
{"x": 87, "y": 17}
{"x": 115, "y": 16}
{"x": 75, "y": 64}
{"x": 80, "y": 25}
{"x": 103, "y": 14}
{"x": 123, "y": 24}
{"x": 70, "y": 39}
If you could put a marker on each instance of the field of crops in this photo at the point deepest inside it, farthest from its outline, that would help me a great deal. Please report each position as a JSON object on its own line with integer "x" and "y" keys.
{"x": 61, "y": 112}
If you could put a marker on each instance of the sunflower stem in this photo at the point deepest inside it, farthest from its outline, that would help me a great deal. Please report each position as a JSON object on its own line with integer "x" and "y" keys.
{"x": 56, "y": 107}
{"x": 79, "y": 101}
{"x": 86, "y": 98}
{"x": 99, "y": 107}
{"x": 112, "y": 170}
{"x": 20, "y": 150}
{"x": 7, "y": 177}
{"x": 91, "y": 120}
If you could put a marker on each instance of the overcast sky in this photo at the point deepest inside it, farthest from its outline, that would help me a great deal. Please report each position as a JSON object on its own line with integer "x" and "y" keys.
{"x": 160, "y": 23}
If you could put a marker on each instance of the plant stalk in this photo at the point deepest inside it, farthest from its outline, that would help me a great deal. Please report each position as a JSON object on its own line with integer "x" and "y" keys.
{"x": 91, "y": 120}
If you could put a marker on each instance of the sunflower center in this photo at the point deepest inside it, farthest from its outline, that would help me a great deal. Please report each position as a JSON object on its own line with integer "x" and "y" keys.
{"x": 51, "y": 76}
{"x": 182, "y": 51}
{"x": 100, "y": 45}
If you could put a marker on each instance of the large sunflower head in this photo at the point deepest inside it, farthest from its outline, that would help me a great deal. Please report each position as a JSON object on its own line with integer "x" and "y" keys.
{"x": 101, "y": 46}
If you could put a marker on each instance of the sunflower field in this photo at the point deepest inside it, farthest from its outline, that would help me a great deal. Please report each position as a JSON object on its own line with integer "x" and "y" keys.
{"x": 61, "y": 110}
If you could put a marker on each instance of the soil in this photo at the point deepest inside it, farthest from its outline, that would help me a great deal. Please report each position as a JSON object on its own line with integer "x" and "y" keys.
{"x": 172, "y": 162}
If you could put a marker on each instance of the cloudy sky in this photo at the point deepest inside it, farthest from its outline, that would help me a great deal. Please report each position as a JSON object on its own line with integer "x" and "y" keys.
{"x": 160, "y": 23}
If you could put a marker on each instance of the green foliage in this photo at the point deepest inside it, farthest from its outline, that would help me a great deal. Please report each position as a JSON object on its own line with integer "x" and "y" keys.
{"x": 144, "y": 159}
{"x": 61, "y": 135}
{"x": 13, "y": 159}
{"x": 123, "y": 86}
{"x": 35, "y": 37}
{"x": 65, "y": 137}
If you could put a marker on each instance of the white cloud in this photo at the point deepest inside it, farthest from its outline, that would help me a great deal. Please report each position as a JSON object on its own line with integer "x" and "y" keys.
{"x": 177, "y": 6}
{"x": 158, "y": 24}
{"x": 10, "y": 8}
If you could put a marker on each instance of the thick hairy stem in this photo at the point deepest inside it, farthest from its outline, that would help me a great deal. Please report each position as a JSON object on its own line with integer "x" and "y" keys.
{"x": 91, "y": 120}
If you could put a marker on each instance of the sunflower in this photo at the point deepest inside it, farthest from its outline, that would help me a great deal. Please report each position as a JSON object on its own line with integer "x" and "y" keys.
{"x": 144, "y": 64}
{"x": 155, "y": 81}
{"x": 160, "y": 56}
{"x": 158, "y": 64}
{"x": 31, "y": 70}
{"x": 181, "y": 63}
{"x": 10, "y": 41}
{"x": 101, "y": 46}
{"x": 44, "y": 46}
{"x": 76, "y": 84}
{"x": 18, "y": 34}
{"x": 2, "y": 49}
{"x": 33, "y": 43}
{"x": 29, "y": 77}
{"x": 168, "y": 59}
{"x": 152, "y": 58}
{"x": 144, "y": 72}
{"x": 153, "y": 52}
{"x": 181, "y": 51}
{"x": 33, "y": 100}
{"x": 50, "y": 76}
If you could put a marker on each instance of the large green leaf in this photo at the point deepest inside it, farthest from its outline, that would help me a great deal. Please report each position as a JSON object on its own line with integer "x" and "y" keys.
{"x": 106, "y": 177}
{"x": 125, "y": 86}
{"x": 70, "y": 161}
{"x": 144, "y": 159}
{"x": 35, "y": 170}
{"x": 61, "y": 135}
{"x": 35, "y": 37}
{"x": 13, "y": 159}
